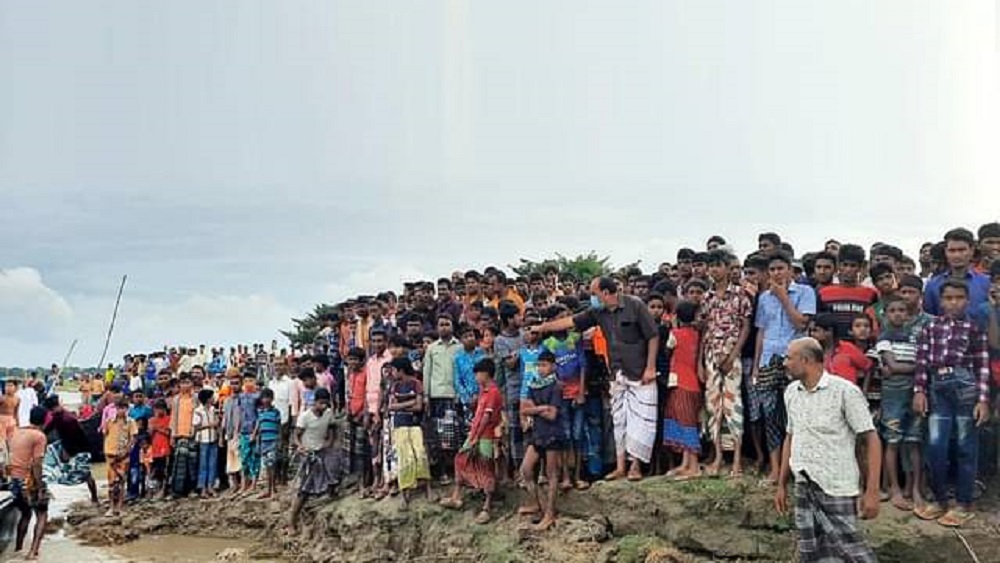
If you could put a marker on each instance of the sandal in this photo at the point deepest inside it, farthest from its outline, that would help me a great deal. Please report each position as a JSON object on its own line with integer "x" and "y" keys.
{"x": 483, "y": 517}
{"x": 930, "y": 511}
{"x": 582, "y": 485}
{"x": 614, "y": 475}
{"x": 956, "y": 518}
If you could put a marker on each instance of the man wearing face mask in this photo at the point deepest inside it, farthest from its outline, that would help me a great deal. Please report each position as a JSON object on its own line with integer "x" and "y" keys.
{"x": 633, "y": 340}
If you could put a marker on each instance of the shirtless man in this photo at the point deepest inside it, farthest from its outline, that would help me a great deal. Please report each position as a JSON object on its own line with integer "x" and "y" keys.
{"x": 8, "y": 418}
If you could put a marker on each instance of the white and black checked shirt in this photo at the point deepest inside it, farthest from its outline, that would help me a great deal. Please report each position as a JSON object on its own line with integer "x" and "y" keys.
{"x": 823, "y": 424}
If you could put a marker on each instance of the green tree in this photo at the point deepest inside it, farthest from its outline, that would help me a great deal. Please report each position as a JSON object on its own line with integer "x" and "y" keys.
{"x": 583, "y": 267}
{"x": 307, "y": 328}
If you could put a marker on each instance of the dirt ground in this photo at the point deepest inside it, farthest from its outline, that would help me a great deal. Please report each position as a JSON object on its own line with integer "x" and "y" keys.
{"x": 654, "y": 521}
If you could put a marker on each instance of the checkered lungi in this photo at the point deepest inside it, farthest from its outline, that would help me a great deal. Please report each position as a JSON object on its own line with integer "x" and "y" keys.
{"x": 828, "y": 527}
{"x": 357, "y": 449}
{"x": 771, "y": 383}
{"x": 752, "y": 406}
{"x": 445, "y": 421}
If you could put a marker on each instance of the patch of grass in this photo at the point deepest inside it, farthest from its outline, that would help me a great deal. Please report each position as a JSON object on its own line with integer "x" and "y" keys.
{"x": 635, "y": 548}
{"x": 495, "y": 546}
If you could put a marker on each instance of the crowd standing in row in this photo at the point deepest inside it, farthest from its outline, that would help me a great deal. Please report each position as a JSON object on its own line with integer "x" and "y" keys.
{"x": 550, "y": 381}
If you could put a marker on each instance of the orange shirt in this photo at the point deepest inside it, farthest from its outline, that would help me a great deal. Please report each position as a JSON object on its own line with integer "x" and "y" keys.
{"x": 358, "y": 386}
{"x": 26, "y": 447}
{"x": 185, "y": 416}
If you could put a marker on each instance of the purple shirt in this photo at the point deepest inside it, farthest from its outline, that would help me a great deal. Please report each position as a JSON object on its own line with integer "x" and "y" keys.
{"x": 952, "y": 343}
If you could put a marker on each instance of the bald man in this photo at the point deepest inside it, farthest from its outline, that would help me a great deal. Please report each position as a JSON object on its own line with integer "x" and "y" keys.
{"x": 826, "y": 416}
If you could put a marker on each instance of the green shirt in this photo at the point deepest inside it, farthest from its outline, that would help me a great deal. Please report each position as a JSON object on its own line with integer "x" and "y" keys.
{"x": 439, "y": 369}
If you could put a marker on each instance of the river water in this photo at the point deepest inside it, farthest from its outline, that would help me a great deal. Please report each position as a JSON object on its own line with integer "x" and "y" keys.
{"x": 58, "y": 547}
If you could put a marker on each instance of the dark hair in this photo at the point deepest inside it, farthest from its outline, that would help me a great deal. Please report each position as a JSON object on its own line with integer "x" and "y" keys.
{"x": 828, "y": 256}
{"x": 445, "y": 282}
{"x": 485, "y": 365}
{"x": 826, "y": 321}
{"x": 960, "y": 235}
{"x": 551, "y": 269}
{"x": 160, "y": 404}
{"x": 780, "y": 256}
{"x": 786, "y": 247}
{"x": 507, "y": 310}
{"x": 321, "y": 394}
{"x": 989, "y": 230}
{"x": 547, "y": 356}
{"x": 51, "y": 402}
{"x": 205, "y": 395}
{"x": 399, "y": 341}
{"x": 910, "y": 280}
{"x": 322, "y": 359}
{"x": 893, "y": 298}
{"x": 955, "y": 284}
{"x": 447, "y": 317}
{"x": 403, "y": 365}
{"x": 536, "y": 277}
{"x": 695, "y": 282}
{"x": 685, "y": 254}
{"x": 469, "y": 329}
{"x": 880, "y": 269}
{"x": 665, "y": 287}
{"x": 605, "y": 283}
{"x": 472, "y": 275}
{"x": 307, "y": 373}
{"x": 717, "y": 256}
{"x": 267, "y": 393}
{"x": 716, "y": 239}
{"x": 995, "y": 269}
{"x": 888, "y": 250}
{"x": 700, "y": 257}
{"x": 654, "y": 296}
{"x": 378, "y": 331}
{"x": 356, "y": 353}
{"x": 773, "y": 238}
{"x": 686, "y": 311}
{"x": 37, "y": 416}
{"x": 756, "y": 261}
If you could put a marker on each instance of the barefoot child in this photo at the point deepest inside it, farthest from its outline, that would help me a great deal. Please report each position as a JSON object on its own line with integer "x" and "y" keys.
{"x": 267, "y": 435}
{"x": 475, "y": 463}
{"x": 897, "y": 348}
{"x": 570, "y": 369}
{"x": 356, "y": 444}
{"x": 680, "y": 425}
{"x": 206, "y": 424}
{"x": 159, "y": 430}
{"x": 406, "y": 406}
{"x": 543, "y": 406}
{"x": 116, "y": 449}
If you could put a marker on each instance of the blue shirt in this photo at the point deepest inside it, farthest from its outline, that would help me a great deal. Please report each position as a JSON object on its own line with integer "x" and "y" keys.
{"x": 981, "y": 316}
{"x": 778, "y": 328}
{"x": 139, "y": 412}
{"x": 529, "y": 367}
{"x": 465, "y": 377}
{"x": 979, "y": 291}
{"x": 217, "y": 365}
{"x": 569, "y": 356}
{"x": 247, "y": 403}
{"x": 269, "y": 424}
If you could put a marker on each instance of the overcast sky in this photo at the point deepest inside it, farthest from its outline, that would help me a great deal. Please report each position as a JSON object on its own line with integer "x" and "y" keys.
{"x": 242, "y": 161}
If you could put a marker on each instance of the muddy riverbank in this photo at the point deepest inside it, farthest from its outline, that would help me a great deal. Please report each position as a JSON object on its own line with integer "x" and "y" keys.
{"x": 657, "y": 520}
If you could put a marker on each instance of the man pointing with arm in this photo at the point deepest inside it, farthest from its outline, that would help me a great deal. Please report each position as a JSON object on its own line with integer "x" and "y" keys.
{"x": 632, "y": 343}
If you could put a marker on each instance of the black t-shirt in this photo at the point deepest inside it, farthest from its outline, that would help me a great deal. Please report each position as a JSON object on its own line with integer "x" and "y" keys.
{"x": 750, "y": 346}
{"x": 545, "y": 432}
{"x": 628, "y": 329}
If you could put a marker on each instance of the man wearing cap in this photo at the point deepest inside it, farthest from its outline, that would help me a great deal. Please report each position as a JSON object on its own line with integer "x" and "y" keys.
{"x": 633, "y": 339}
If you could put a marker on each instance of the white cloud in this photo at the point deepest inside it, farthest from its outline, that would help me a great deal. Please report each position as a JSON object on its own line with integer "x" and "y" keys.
{"x": 29, "y": 309}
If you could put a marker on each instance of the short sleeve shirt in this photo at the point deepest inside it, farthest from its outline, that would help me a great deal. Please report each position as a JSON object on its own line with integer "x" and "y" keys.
{"x": 628, "y": 329}
{"x": 779, "y": 331}
{"x": 314, "y": 428}
{"x": 724, "y": 314}
{"x": 824, "y": 424}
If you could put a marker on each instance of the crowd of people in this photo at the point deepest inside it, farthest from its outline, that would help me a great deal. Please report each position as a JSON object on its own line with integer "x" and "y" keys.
{"x": 864, "y": 376}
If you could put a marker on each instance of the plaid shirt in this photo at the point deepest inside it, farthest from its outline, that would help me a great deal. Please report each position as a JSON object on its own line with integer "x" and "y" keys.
{"x": 952, "y": 343}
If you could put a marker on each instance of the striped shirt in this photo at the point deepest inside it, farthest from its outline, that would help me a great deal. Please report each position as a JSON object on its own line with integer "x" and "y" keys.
{"x": 269, "y": 424}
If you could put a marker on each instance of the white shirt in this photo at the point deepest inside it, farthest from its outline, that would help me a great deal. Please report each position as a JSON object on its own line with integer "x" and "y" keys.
{"x": 283, "y": 388}
{"x": 314, "y": 428}
{"x": 29, "y": 400}
{"x": 824, "y": 424}
{"x": 135, "y": 384}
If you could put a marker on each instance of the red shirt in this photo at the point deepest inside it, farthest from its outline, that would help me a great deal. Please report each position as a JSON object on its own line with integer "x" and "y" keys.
{"x": 488, "y": 408}
{"x": 684, "y": 361}
{"x": 844, "y": 303}
{"x": 848, "y": 361}
{"x": 358, "y": 384}
{"x": 159, "y": 427}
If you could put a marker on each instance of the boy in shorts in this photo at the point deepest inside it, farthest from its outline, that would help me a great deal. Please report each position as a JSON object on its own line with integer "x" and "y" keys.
{"x": 897, "y": 349}
{"x": 544, "y": 407}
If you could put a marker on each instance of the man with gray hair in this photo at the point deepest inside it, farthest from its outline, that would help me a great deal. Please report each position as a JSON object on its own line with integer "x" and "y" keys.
{"x": 826, "y": 415}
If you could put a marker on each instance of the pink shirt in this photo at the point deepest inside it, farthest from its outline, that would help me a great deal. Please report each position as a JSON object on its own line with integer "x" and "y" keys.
{"x": 325, "y": 379}
{"x": 373, "y": 383}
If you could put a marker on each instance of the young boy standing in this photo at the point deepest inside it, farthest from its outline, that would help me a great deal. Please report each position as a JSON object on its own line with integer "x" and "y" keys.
{"x": 897, "y": 350}
{"x": 475, "y": 463}
{"x": 571, "y": 372}
{"x": 406, "y": 405}
{"x": 246, "y": 404}
{"x": 953, "y": 369}
{"x": 727, "y": 326}
{"x": 548, "y": 439}
{"x": 357, "y": 445}
{"x": 466, "y": 387}
{"x": 185, "y": 467}
{"x": 206, "y": 430}
{"x": 116, "y": 450}
{"x": 267, "y": 435}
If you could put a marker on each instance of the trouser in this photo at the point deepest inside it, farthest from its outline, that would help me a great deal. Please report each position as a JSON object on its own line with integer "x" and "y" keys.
{"x": 185, "y": 469}
{"x": 208, "y": 465}
{"x": 953, "y": 395}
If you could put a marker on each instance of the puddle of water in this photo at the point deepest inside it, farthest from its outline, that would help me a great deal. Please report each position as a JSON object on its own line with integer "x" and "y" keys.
{"x": 174, "y": 549}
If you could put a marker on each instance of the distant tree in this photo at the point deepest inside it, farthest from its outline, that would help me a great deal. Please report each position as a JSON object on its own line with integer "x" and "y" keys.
{"x": 583, "y": 267}
{"x": 307, "y": 328}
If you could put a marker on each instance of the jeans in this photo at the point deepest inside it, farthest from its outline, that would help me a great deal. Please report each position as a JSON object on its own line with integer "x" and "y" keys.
{"x": 208, "y": 458}
{"x": 953, "y": 399}
{"x": 593, "y": 435}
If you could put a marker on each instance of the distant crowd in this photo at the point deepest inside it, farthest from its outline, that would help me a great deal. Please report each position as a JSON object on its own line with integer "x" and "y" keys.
{"x": 861, "y": 375}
